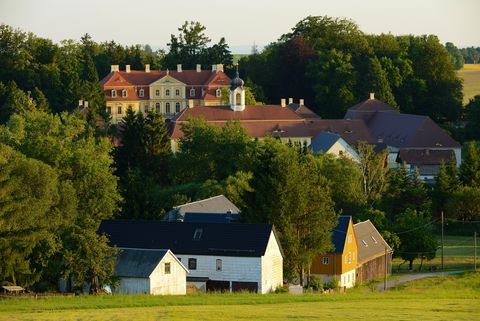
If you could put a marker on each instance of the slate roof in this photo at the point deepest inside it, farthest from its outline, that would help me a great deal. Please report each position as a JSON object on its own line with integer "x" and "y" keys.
{"x": 138, "y": 263}
{"x": 244, "y": 240}
{"x": 425, "y": 156}
{"x": 366, "y": 233}
{"x": 324, "y": 141}
{"x": 210, "y": 217}
{"x": 339, "y": 233}
{"x": 406, "y": 130}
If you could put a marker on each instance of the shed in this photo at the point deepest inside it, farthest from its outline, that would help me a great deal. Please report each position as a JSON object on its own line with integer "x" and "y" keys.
{"x": 154, "y": 272}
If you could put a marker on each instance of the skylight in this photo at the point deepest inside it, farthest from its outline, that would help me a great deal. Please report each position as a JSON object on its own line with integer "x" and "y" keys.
{"x": 197, "y": 235}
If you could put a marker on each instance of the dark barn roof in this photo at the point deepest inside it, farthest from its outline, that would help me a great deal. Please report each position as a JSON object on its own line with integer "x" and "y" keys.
{"x": 212, "y": 238}
{"x": 138, "y": 263}
{"x": 210, "y": 217}
{"x": 340, "y": 233}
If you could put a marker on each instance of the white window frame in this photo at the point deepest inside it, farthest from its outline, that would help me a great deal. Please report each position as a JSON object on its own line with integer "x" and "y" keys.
{"x": 218, "y": 265}
{"x": 167, "y": 108}
{"x": 157, "y": 92}
{"x": 325, "y": 260}
{"x": 169, "y": 269}
{"x": 124, "y": 93}
{"x": 218, "y": 92}
{"x": 119, "y": 109}
{"x": 167, "y": 92}
{"x": 177, "y": 92}
{"x": 114, "y": 93}
{"x": 141, "y": 93}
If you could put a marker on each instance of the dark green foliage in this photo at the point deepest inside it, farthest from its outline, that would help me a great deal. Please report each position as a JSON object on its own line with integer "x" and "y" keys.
{"x": 472, "y": 116}
{"x": 471, "y": 55}
{"x": 470, "y": 167}
{"x": 455, "y": 54}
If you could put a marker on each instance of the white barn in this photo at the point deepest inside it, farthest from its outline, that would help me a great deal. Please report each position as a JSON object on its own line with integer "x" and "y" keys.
{"x": 156, "y": 272}
{"x": 219, "y": 256}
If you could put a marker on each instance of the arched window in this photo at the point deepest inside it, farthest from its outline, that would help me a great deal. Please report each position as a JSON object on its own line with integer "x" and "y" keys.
{"x": 218, "y": 93}
{"x": 157, "y": 107}
{"x": 177, "y": 92}
{"x": 238, "y": 99}
{"x": 167, "y": 108}
{"x": 177, "y": 107}
{"x": 192, "y": 92}
{"x": 114, "y": 93}
{"x": 124, "y": 93}
{"x": 167, "y": 92}
{"x": 141, "y": 93}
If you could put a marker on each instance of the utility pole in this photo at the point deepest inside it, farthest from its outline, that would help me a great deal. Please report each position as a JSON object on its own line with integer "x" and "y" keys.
{"x": 385, "y": 268}
{"x": 475, "y": 250}
{"x": 442, "y": 241}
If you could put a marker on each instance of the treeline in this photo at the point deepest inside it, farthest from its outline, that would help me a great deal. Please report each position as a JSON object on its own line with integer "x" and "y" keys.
{"x": 471, "y": 55}
{"x": 56, "y": 76}
{"x": 332, "y": 64}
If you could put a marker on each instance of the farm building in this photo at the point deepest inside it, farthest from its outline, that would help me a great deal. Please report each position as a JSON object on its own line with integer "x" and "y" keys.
{"x": 326, "y": 142}
{"x": 219, "y": 256}
{"x": 150, "y": 271}
{"x": 374, "y": 254}
{"x": 218, "y": 204}
{"x": 340, "y": 264}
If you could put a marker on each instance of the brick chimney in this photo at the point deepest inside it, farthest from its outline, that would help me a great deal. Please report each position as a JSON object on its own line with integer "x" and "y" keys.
{"x": 372, "y": 95}
{"x": 301, "y": 102}
{"x": 179, "y": 68}
{"x": 114, "y": 68}
{"x": 283, "y": 102}
{"x": 290, "y": 101}
{"x": 127, "y": 68}
{"x": 199, "y": 67}
{"x": 147, "y": 68}
{"x": 190, "y": 103}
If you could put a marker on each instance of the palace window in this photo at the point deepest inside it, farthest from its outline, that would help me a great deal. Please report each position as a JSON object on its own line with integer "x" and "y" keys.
{"x": 167, "y": 268}
{"x": 192, "y": 92}
{"x": 124, "y": 93}
{"x": 167, "y": 108}
{"x": 167, "y": 92}
{"x": 114, "y": 93}
{"x": 157, "y": 92}
{"x": 109, "y": 110}
{"x": 157, "y": 107}
{"x": 177, "y": 92}
{"x": 219, "y": 265}
{"x": 119, "y": 109}
{"x": 218, "y": 93}
{"x": 177, "y": 107}
{"x": 145, "y": 108}
{"x": 192, "y": 264}
{"x": 141, "y": 93}
{"x": 325, "y": 260}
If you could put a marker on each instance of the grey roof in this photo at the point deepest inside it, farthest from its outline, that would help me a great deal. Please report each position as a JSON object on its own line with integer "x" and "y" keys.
{"x": 138, "y": 263}
{"x": 324, "y": 141}
{"x": 210, "y": 217}
{"x": 340, "y": 233}
{"x": 370, "y": 243}
{"x": 216, "y": 204}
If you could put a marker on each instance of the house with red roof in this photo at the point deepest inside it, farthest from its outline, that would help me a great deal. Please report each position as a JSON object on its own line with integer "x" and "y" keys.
{"x": 167, "y": 92}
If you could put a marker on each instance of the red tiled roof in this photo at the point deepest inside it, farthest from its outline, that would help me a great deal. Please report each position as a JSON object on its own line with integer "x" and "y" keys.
{"x": 132, "y": 93}
{"x": 351, "y": 130}
{"x": 367, "y": 109}
{"x": 425, "y": 156}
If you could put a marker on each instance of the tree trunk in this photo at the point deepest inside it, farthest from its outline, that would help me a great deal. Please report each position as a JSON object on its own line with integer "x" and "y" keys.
{"x": 410, "y": 264}
{"x": 14, "y": 280}
{"x": 302, "y": 276}
{"x": 421, "y": 263}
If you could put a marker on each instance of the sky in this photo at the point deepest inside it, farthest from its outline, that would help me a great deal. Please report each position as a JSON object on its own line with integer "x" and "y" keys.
{"x": 241, "y": 22}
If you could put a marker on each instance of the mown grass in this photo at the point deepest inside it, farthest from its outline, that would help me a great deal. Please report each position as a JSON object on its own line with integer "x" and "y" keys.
{"x": 470, "y": 73}
{"x": 442, "y": 298}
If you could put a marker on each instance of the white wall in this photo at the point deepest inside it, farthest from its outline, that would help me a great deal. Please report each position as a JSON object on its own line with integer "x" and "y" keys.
{"x": 173, "y": 283}
{"x": 347, "y": 279}
{"x": 272, "y": 267}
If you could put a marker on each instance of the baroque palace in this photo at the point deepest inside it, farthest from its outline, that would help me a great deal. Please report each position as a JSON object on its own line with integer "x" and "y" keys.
{"x": 168, "y": 92}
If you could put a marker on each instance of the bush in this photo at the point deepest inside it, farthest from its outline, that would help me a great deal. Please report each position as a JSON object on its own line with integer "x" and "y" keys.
{"x": 315, "y": 283}
{"x": 282, "y": 289}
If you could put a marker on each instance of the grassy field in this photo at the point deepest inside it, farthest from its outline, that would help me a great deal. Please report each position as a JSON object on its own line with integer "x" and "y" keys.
{"x": 442, "y": 298}
{"x": 470, "y": 74}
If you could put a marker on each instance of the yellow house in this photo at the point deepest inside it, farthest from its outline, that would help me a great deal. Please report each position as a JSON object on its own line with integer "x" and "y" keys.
{"x": 167, "y": 92}
{"x": 340, "y": 264}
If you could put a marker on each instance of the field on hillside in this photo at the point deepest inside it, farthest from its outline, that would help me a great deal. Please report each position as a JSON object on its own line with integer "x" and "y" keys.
{"x": 442, "y": 298}
{"x": 470, "y": 74}
{"x": 458, "y": 255}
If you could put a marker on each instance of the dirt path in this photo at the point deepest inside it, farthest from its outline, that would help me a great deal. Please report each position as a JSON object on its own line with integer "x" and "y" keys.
{"x": 407, "y": 278}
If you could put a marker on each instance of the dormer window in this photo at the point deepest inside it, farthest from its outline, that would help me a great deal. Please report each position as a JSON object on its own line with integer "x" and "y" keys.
{"x": 192, "y": 92}
{"x": 141, "y": 93}
{"x": 218, "y": 93}
{"x": 197, "y": 235}
{"x": 124, "y": 93}
{"x": 114, "y": 93}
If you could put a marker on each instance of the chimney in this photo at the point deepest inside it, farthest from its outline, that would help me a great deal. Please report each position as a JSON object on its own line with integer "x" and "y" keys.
{"x": 147, "y": 68}
{"x": 179, "y": 68}
{"x": 301, "y": 102}
{"x": 114, "y": 68}
{"x": 372, "y": 95}
{"x": 283, "y": 102}
{"x": 219, "y": 67}
{"x": 290, "y": 101}
{"x": 127, "y": 68}
{"x": 199, "y": 67}
{"x": 80, "y": 103}
{"x": 214, "y": 68}
{"x": 190, "y": 103}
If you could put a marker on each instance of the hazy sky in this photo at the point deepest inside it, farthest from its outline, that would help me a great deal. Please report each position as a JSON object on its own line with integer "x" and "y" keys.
{"x": 242, "y": 22}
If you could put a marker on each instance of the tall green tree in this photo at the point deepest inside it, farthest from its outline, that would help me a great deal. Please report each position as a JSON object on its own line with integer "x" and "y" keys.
{"x": 470, "y": 167}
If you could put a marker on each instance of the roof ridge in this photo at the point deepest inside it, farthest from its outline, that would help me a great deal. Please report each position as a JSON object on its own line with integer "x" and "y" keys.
{"x": 206, "y": 199}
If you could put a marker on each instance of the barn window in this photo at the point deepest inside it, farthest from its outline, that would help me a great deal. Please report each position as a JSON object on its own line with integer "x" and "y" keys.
{"x": 192, "y": 264}
{"x": 197, "y": 235}
{"x": 167, "y": 268}
{"x": 325, "y": 260}
{"x": 219, "y": 265}
{"x": 373, "y": 238}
